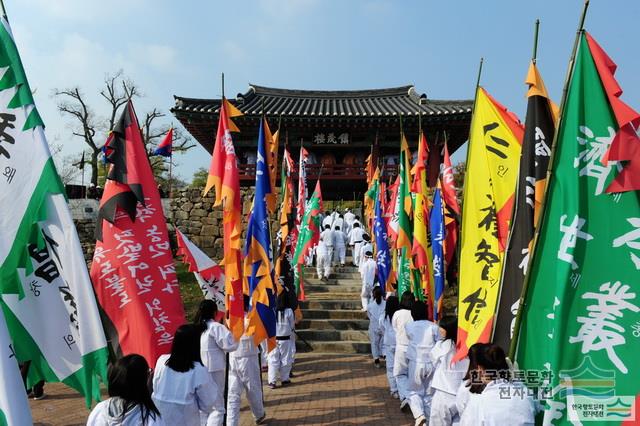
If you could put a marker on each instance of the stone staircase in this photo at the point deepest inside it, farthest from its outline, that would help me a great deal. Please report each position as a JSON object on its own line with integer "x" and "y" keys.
{"x": 333, "y": 321}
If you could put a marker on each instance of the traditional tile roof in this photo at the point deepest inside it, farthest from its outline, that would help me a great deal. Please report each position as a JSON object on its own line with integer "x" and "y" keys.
{"x": 389, "y": 102}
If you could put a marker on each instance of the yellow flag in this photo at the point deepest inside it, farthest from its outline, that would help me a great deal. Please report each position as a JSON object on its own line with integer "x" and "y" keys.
{"x": 489, "y": 192}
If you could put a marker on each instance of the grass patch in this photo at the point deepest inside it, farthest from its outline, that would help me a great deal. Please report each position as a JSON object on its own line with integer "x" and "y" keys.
{"x": 189, "y": 289}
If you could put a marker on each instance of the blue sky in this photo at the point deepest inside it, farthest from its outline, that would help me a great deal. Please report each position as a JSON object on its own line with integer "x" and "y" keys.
{"x": 181, "y": 47}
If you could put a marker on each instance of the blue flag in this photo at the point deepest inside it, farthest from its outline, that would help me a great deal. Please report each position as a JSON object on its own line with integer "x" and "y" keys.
{"x": 383, "y": 256}
{"x": 436, "y": 223}
{"x": 258, "y": 265}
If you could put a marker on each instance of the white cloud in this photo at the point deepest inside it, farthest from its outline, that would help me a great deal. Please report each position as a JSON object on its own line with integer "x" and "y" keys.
{"x": 233, "y": 52}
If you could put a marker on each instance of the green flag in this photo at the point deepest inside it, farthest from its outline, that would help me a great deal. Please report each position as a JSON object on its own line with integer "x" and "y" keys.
{"x": 581, "y": 317}
{"x": 46, "y": 295}
{"x": 308, "y": 236}
{"x": 404, "y": 242}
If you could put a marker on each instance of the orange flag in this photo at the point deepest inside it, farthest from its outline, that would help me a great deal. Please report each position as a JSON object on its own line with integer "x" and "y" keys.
{"x": 224, "y": 178}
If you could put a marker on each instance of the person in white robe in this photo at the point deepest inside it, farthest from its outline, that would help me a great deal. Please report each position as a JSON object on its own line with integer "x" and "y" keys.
{"x": 327, "y": 220}
{"x": 501, "y": 401}
{"x": 401, "y": 364}
{"x": 389, "y": 341}
{"x": 340, "y": 249}
{"x": 323, "y": 261}
{"x": 215, "y": 342}
{"x": 365, "y": 246}
{"x": 368, "y": 274}
{"x": 422, "y": 335}
{"x": 130, "y": 402}
{"x": 182, "y": 386}
{"x": 349, "y": 217}
{"x": 328, "y": 236}
{"x": 375, "y": 310}
{"x": 244, "y": 376}
{"x": 448, "y": 375}
{"x": 281, "y": 357}
{"x": 355, "y": 241}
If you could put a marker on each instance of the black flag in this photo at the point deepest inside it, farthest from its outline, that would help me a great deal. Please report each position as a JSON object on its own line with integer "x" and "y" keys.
{"x": 536, "y": 150}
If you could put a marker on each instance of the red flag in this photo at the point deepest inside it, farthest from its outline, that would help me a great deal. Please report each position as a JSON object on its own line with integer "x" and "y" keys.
{"x": 132, "y": 271}
{"x": 626, "y": 143}
{"x": 224, "y": 178}
{"x": 451, "y": 208}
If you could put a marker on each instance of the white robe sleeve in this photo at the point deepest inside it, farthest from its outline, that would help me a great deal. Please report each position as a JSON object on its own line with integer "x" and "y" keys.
{"x": 224, "y": 339}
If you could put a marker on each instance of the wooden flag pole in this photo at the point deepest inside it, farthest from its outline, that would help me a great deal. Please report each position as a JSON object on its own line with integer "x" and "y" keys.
{"x": 565, "y": 91}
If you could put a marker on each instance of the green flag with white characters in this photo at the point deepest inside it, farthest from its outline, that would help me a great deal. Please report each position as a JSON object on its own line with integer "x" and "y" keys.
{"x": 580, "y": 328}
{"x": 45, "y": 292}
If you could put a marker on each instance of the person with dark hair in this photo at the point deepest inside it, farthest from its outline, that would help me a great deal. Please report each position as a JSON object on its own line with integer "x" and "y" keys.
{"x": 340, "y": 249}
{"x": 325, "y": 253}
{"x": 244, "y": 375}
{"x": 182, "y": 386}
{"x": 364, "y": 248}
{"x": 401, "y": 364}
{"x": 448, "y": 375}
{"x": 502, "y": 401}
{"x": 471, "y": 385}
{"x": 130, "y": 401}
{"x": 368, "y": 274}
{"x": 375, "y": 310}
{"x": 422, "y": 335}
{"x": 349, "y": 217}
{"x": 389, "y": 341}
{"x": 355, "y": 241}
{"x": 280, "y": 359}
{"x": 215, "y": 341}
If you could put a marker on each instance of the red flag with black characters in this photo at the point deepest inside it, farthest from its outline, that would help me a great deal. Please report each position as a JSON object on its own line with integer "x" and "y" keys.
{"x": 132, "y": 270}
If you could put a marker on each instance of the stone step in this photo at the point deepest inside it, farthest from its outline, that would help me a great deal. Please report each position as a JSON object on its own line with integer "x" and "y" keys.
{"x": 334, "y": 324}
{"x": 362, "y": 347}
{"x": 331, "y": 304}
{"x": 335, "y": 275}
{"x": 324, "y": 314}
{"x": 313, "y": 336}
{"x": 332, "y": 281}
{"x": 318, "y": 288}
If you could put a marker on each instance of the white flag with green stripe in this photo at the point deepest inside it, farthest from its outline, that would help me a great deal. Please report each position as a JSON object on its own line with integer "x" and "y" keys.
{"x": 14, "y": 408}
{"x": 46, "y": 295}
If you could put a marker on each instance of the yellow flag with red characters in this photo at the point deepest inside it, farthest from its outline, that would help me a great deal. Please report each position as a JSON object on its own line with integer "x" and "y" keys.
{"x": 489, "y": 191}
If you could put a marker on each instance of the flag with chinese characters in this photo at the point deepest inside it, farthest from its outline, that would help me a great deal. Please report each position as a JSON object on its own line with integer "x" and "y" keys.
{"x": 534, "y": 161}
{"x": 258, "y": 264}
{"x": 489, "y": 193}
{"x": 309, "y": 233}
{"x": 580, "y": 319}
{"x": 404, "y": 242}
{"x": 370, "y": 197}
{"x": 45, "y": 291}
{"x": 392, "y": 212}
{"x": 225, "y": 180}
{"x": 271, "y": 159}
{"x": 383, "y": 254}
{"x": 436, "y": 221}
{"x": 209, "y": 275}
{"x": 14, "y": 408}
{"x": 132, "y": 270}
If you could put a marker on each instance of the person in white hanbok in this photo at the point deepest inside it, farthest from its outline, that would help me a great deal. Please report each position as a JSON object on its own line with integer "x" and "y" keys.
{"x": 244, "y": 375}
{"x": 422, "y": 335}
{"x": 364, "y": 248}
{"x": 502, "y": 400}
{"x": 375, "y": 310}
{"x": 130, "y": 402}
{"x": 281, "y": 357}
{"x": 447, "y": 376}
{"x": 400, "y": 363}
{"x": 368, "y": 274}
{"x": 328, "y": 237}
{"x": 355, "y": 241}
{"x": 389, "y": 341}
{"x": 323, "y": 261}
{"x": 340, "y": 248}
{"x": 349, "y": 217}
{"x": 470, "y": 387}
{"x": 182, "y": 386}
{"x": 216, "y": 341}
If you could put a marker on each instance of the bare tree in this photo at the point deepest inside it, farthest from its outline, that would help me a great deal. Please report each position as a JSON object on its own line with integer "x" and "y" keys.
{"x": 117, "y": 90}
{"x": 87, "y": 125}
